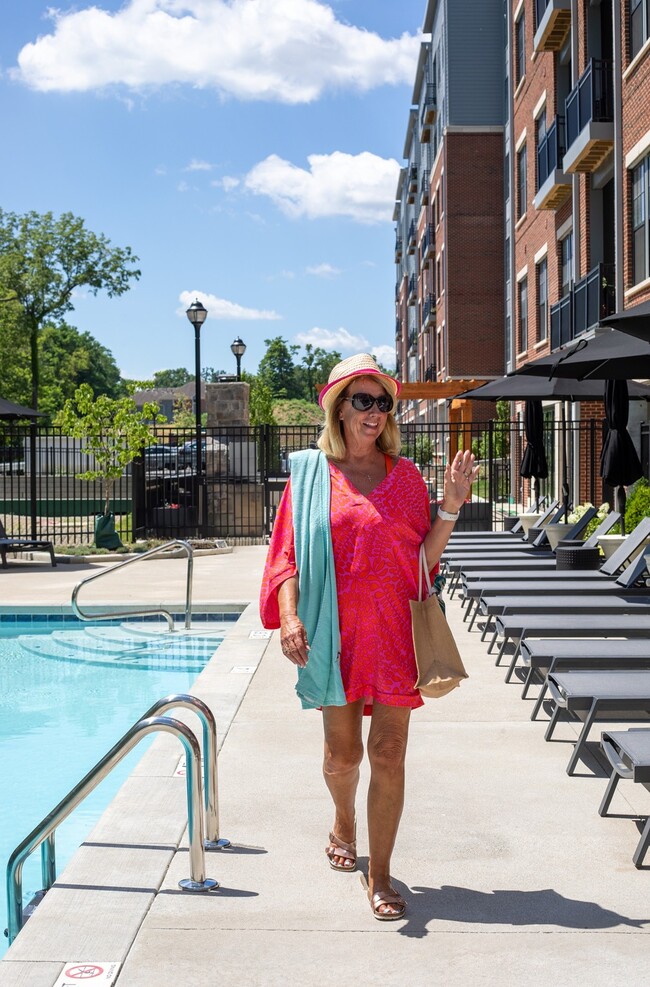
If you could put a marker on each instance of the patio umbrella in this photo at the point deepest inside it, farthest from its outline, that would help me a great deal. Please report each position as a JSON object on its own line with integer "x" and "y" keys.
{"x": 619, "y": 462}
{"x": 520, "y": 387}
{"x": 635, "y": 321}
{"x": 10, "y": 410}
{"x": 612, "y": 355}
{"x": 533, "y": 464}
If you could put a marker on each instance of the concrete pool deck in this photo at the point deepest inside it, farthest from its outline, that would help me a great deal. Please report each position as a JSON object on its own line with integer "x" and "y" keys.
{"x": 511, "y": 876}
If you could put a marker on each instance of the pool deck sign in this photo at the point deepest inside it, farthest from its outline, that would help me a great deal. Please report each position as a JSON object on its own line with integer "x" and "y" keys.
{"x": 99, "y": 973}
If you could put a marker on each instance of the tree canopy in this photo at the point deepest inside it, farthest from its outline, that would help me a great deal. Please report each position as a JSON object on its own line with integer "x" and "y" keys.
{"x": 43, "y": 260}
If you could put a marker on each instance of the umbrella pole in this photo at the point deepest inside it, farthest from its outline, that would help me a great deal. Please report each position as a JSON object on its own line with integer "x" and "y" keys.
{"x": 565, "y": 481}
{"x": 621, "y": 498}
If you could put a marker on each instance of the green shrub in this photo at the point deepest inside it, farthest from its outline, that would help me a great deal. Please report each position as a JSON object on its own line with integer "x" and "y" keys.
{"x": 638, "y": 504}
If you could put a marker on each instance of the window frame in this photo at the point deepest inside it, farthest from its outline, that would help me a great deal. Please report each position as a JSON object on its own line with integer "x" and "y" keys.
{"x": 520, "y": 48}
{"x": 522, "y": 181}
{"x": 542, "y": 299}
{"x": 641, "y": 9}
{"x": 522, "y": 305}
{"x": 640, "y": 231}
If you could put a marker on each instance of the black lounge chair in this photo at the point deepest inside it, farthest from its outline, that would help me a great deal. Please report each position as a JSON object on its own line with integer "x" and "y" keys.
{"x": 628, "y": 752}
{"x": 545, "y": 655}
{"x": 18, "y": 544}
{"x": 524, "y": 573}
{"x": 520, "y": 627}
{"x": 514, "y": 534}
{"x": 586, "y": 695}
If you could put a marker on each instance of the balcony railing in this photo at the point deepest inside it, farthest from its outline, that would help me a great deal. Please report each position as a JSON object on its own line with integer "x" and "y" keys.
{"x": 412, "y": 184}
{"x": 428, "y": 245}
{"x": 413, "y": 290}
{"x": 398, "y": 249}
{"x": 430, "y": 373}
{"x": 413, "y": 341}
{"x": 412, "y": 239}
{"x": 590, "y": 300}
{"x": 428, "y": 113}
{"x": 428, "y": 310}
{"x": 590, "y": 104}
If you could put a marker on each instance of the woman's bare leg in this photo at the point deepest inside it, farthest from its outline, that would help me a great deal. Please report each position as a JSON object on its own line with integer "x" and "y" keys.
{"x": 343, "y": 754}
{"x": 387, "y": 752}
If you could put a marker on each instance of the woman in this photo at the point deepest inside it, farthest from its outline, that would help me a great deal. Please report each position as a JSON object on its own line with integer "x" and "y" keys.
{"x": 341, "y": 569}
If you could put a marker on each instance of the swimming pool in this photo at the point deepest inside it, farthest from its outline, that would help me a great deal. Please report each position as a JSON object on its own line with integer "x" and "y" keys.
{"x": 68, "y": 692}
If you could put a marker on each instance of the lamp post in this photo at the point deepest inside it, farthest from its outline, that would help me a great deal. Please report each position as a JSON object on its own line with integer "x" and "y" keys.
{"x": 238, "y": 348}
{"x": 197, "y": 315}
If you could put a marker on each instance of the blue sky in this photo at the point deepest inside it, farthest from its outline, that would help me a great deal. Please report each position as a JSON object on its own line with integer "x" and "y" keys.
{"x": 246, "y": 150}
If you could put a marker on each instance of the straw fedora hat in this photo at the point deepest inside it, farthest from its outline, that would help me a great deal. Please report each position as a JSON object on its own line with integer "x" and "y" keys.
{"x": 360, "y": 365}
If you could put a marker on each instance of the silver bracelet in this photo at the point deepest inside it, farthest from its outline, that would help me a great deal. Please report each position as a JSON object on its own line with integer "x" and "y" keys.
{"x": 447, "y": 515}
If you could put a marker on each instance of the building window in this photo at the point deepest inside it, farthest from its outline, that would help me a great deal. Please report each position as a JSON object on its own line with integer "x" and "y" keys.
{"x": 640, "y": 220}
{"x": 540, "y": 137}
{"x": 522, "y": 288}
{"x": 566, "y": 263}
{"x": 522, "y": 164}
{"x": 542, "y": 300}
{"x": 639, "y": 17}
{"x": 506, "y": 177}
{"x": 520, "y": 50}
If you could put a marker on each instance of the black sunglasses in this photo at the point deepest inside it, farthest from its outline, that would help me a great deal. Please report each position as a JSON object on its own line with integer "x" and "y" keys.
{"x": 364, "y": 402}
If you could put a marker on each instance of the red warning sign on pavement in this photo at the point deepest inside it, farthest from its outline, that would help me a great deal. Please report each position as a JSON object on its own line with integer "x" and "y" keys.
{"x": 101, "y": 974}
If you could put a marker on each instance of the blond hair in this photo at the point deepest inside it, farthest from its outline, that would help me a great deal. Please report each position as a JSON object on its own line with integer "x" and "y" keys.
{"x": 331, "y": 440}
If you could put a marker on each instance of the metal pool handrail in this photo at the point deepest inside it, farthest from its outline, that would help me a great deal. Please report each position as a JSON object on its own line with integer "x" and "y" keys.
{"x": 43, "y": 834}
{"x": 210, "y": 777}
{"x": 149, "y": 610}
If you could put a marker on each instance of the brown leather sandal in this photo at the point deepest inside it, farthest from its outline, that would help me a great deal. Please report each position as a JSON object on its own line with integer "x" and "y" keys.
{"x": 346, "y": 850}
{"x": 391, "y": 897}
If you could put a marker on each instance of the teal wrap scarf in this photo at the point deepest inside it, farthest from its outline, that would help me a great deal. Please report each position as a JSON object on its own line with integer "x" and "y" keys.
{"x": 319, "y": 682}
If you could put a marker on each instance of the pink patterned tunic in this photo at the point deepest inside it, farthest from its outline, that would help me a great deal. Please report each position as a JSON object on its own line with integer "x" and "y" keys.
{"x": 376, "y": 539}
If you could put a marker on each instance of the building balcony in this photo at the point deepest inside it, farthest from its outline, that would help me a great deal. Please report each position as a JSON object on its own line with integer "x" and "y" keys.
{"x": 411, "y": 243}
{"x": 413, "y": 342}
{"x": 428, "y": 113}
{"x": 553, "y": 186}
{"x": 398, "y": 249}
{"x": 552, "y": 24}
{"x": 412, "y": 290}
{"x": 398, "y": 329}
{"x": 429, "y": 311}
{"x": 430, "y": 373}
{"x": 412, "y": 187}
{"x": 424, "y": 190}
{"x": 590, "y": 119}
{"x": 590, "y": 300}
{"x": 428, "y": 245}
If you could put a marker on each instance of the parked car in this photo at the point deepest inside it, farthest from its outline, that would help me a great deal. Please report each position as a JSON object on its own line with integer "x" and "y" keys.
{"x": 161, "y": 457}
{"x": 187, "y": 455}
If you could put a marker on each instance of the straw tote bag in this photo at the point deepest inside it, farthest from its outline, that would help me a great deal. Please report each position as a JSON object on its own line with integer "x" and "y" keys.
{"x": 440, "y": 667}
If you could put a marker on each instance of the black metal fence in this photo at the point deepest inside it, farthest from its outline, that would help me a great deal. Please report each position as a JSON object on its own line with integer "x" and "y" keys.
{"x": 233, "y": 489}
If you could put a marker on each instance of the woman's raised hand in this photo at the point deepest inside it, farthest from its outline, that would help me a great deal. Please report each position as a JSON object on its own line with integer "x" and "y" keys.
{"x": 458, "y": 479}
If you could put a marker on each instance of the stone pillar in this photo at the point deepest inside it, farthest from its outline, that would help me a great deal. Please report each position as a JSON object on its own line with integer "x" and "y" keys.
{"x": 227, "y": 404}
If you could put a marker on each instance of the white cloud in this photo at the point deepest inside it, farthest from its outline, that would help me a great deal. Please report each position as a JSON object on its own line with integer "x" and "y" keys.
{"x": 287, "y": 51}
{"x": 345, "y": 342}
{"x": 361, "y": 186}
{"x": 221, "y": 308}
{"x": 196, "y": 165}
{"x": 324, "y": 271}
{"x": 337, "y": 339}
{"x": 160, "y": 170}
{"x": 227, "y": 183}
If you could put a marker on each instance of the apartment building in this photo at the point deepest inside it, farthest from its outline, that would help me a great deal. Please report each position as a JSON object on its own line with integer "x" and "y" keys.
{"x": 577, "y": 145}
{"x": 449, "y": 210}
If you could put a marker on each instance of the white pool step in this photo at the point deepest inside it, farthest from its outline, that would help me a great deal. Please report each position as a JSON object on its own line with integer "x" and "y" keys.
{"x": 189, "y": 653}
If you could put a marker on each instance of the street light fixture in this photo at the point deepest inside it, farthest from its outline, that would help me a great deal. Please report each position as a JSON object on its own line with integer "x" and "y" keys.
{"x": 197, "y": 315}
{"x": 238, "y": 348}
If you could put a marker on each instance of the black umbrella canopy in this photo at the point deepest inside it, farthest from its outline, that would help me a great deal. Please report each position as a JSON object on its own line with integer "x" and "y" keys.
{"x": 619, "y": 462}
{"x": 635, "y": 321}
{"x": 519, "y": 387}
{"x": 611, "y": 356}
{"x": 10, "y": 410}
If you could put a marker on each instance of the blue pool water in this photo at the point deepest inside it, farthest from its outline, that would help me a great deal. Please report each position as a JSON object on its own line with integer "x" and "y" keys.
{"x": 68, "y": 692}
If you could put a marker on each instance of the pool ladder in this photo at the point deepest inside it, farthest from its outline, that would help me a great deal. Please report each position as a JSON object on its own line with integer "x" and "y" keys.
{"x": 200, "y": 820}
{"x": 109, "y": 615}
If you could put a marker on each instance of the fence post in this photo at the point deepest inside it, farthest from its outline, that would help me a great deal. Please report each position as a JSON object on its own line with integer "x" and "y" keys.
{"x": 491, "y": 477}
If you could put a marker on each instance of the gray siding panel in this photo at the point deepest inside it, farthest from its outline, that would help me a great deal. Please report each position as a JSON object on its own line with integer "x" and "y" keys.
{"x": 475, "y": 62}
